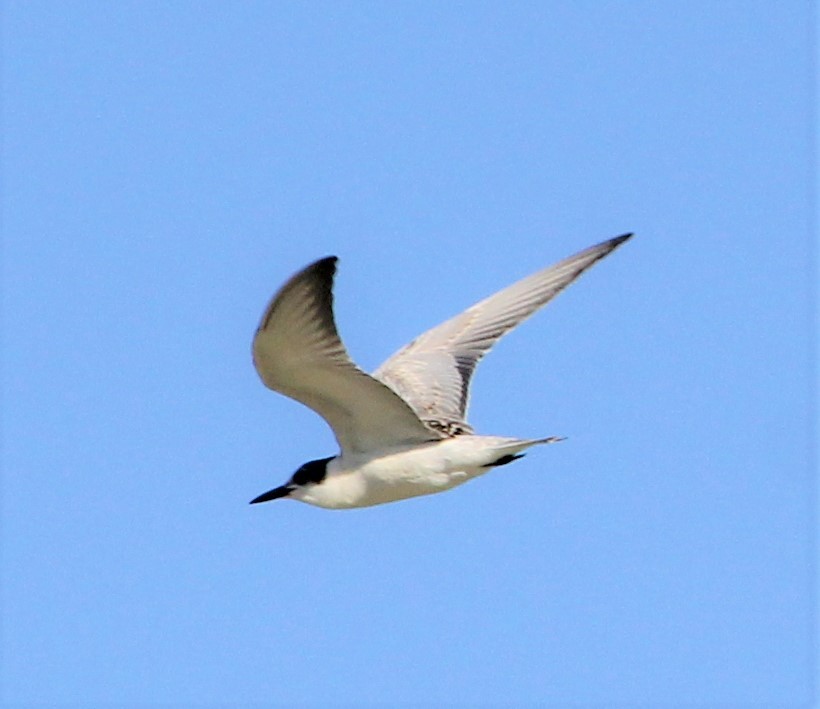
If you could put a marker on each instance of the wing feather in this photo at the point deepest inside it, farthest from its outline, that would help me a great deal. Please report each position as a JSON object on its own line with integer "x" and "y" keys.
{"x": 297, "y": 352}
{"x": 433, "y": 372}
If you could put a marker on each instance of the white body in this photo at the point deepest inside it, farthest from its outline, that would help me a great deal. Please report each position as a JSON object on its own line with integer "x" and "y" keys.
{"x": 365, "y": 480}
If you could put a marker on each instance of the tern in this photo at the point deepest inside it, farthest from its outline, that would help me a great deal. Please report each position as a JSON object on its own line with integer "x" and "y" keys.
{"x": 402, "y": 431}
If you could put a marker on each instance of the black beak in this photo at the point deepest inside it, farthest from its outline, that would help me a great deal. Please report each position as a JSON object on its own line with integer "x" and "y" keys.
{"x": 275, "y": 494}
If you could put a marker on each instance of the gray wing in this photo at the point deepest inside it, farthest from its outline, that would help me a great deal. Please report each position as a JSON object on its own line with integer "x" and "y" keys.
{"x": 433, "y": 372}
{"x": 297, "y": 352}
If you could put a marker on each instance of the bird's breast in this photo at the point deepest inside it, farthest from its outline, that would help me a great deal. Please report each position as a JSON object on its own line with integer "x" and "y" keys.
{"x": 362, "y": 481}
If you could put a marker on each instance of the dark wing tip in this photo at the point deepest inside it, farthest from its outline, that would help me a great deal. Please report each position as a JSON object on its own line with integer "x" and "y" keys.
{"x": 324, "y": 269}
{"x": 320, "y": 272}
{"x": 326, "y": 265}
{"x": 618, "y": 240}
{"x": 604, "y": 248}
{"x": 593, "y": 254}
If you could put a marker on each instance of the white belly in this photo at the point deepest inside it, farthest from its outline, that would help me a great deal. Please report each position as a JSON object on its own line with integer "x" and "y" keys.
{"x": 409, "y": 472}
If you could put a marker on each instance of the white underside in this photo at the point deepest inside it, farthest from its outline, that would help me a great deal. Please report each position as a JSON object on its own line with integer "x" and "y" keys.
{"x": 397, "y": 474}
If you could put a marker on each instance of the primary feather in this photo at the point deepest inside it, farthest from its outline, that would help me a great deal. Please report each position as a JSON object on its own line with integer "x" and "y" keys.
{"x": 433, "y": 373}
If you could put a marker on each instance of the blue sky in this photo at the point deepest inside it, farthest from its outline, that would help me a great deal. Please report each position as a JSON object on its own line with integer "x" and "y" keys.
{"x": 168, "y": 165}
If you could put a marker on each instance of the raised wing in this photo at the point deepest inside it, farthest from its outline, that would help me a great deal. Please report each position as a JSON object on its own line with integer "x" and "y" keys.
{"x": 433, "y": 372}
{"x": 297, "y": 352}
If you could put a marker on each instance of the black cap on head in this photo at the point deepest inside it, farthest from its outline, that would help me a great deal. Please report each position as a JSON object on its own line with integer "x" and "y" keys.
{"x": 312, "y": 472}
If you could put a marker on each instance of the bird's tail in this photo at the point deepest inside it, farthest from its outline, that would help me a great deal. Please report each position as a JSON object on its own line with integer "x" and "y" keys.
{"x": 509, "y": 449}
{"x": 550, "y": 439}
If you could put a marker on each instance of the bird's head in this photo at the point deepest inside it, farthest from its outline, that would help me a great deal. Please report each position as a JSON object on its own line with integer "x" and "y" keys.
{"x": 310, "y": 474}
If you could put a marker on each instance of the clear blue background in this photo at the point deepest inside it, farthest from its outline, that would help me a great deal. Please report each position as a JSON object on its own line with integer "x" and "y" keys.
{"x": 168, "y": 165}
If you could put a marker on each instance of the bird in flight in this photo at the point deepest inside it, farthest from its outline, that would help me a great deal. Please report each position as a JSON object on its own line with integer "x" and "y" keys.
{"x": 402, "y": 431}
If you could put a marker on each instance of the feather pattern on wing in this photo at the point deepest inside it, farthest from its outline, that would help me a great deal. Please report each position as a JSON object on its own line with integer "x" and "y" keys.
{"x": 432, "y": 374}
{"x": 297, "y": 352}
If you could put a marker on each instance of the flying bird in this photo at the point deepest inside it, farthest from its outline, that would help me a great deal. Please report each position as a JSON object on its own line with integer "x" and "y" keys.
{"x": 402, "y": 431}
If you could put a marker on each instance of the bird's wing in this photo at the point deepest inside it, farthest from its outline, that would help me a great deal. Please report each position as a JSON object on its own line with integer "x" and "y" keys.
{"x": 433, "y": 372}
{"x": 297, "y": 352}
